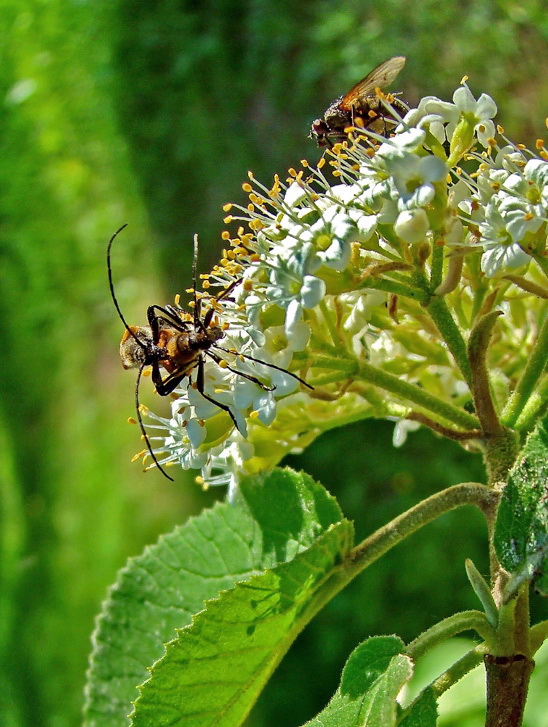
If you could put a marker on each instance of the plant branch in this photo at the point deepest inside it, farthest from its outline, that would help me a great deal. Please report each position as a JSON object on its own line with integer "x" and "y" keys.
{"x": 535, "y": 408}
{"x": 477, "y": 354}
{"x": 449, "y": 627}
{"x": 458, "y": 436}
{"x": 534, "y": 368}
{"x": 415, "y": 395}
{"x": 449, "y": 331}
{"x": 391, "y": 286}
{"x": 377, "y": 544}
{"x": 459, "y": 669}
{"x": 436, "y": 268}
{"x": 507, "y": 684}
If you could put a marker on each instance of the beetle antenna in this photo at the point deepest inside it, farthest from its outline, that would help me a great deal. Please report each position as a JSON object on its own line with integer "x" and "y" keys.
{"x": 194, "y": 284}
{"x": 142, "y": 426}
{"x": 111, "y": 287}
{"x": 264, "y": 363}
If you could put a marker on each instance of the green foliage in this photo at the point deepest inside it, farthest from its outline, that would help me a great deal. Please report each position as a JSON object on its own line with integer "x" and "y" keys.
{"x": 424, "y": 711}
{"x": 521, "y": 533}
{"x": 233, "y": 647}
{"x": 245, "y": 631}
{"x": 371, "y": 680}
{"x": 118, "y": 110}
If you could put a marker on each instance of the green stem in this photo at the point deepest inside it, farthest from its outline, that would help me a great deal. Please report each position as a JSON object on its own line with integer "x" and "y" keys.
{"x": 468, "y": 662}
{"x": 436, "y": 271}
{"x": 391, "y": 286}
{"x": 478, "y": 344}
{"x": 459, "y": 669}
{"x": 335, "y": 338}
{"x": 386, "y": 537}
{"x": 536, "y": 363}
{"x": 377, "y": 544}
{"x": 535, "y": 408}
{"x": 542, "y": 262}
{"x": 505, "y": 644}
{"x": 347, "y": 365}
{"x": 499, "y": 454}
{"x": 440, "y": 314}
{"x": 416, "y": 395}
{"x": 538, "y": 635}
{"x": 522, "y": 637}
{"x": 449, "y": 627}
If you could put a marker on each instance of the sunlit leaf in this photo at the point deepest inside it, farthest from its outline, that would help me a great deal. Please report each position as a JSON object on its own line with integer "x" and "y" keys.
{"x": 371, "y": 680}
{"x": 215, "y": 669}
{"x": 273, "y": 519}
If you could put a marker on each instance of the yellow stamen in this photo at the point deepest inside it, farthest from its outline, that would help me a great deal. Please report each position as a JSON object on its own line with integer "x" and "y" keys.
{"x": 138, "y": 455}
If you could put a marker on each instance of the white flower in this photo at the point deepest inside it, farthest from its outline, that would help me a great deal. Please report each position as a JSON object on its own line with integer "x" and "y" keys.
{"x": 441, "y": 118}
{"x": 501, "y": 250}
{"x": 405, "y": 142}
{"x": 295, "y": 194}
{"x": 481, "y": 111}
{"x": 330, "y": 236}
{"x": 431, "y": 114}
{"x": 412, "y": 225}
{"x": 290, "y": 279}
{"x": 414, "y": 178}
{"x": 536, "y": 172}
{"x": 248, "y": 395}
{"x": 402, "y": 429}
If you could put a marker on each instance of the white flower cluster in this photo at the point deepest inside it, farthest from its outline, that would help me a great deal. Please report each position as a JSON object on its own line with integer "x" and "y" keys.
{"x": 326, "y": 267}
{"x": 512, "y": 194}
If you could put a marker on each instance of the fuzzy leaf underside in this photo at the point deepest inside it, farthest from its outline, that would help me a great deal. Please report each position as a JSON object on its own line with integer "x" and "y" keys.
{"x": 521, "y": 531}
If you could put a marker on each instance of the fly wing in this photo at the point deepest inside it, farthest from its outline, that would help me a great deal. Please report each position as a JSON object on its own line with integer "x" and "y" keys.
{"x": 380, "y": 77}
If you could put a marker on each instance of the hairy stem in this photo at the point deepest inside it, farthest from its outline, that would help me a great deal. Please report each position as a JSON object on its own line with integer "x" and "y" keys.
{"x": 440, "y": 314}
{"x": 534, "y": 368}
{"x": 416, "y": 395}
{"x": 456, "y": 624}
{"x": 455, "y": 672}
{"x": 391, "y": 286}
{"x": 507, "y": 684}
{"x": 377, "y": 544}
{"x": 477, "y": 354}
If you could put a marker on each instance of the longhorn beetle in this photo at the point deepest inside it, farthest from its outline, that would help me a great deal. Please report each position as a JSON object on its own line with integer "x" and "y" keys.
{"x": 178, "y": 345}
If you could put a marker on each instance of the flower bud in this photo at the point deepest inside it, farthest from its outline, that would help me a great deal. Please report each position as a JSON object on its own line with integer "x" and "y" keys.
{"x": 412, "y": 225}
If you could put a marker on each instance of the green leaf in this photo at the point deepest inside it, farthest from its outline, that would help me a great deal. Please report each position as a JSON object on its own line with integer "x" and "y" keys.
{"x": 371, "y": 680}
{"x": 483, "y": 592}
{"x": 521, "y": 530}
{"x": 273, "y": 518}
{"x": 423, "y": 713}
{"x": 213, "y": 672}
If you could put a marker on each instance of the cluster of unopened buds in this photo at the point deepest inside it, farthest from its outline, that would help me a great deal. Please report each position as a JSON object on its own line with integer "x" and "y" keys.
{"x": 366, "y": 277}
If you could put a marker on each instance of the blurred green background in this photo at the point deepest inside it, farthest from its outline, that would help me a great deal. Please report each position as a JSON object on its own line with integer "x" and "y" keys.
{"x": 151, "y": 114}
